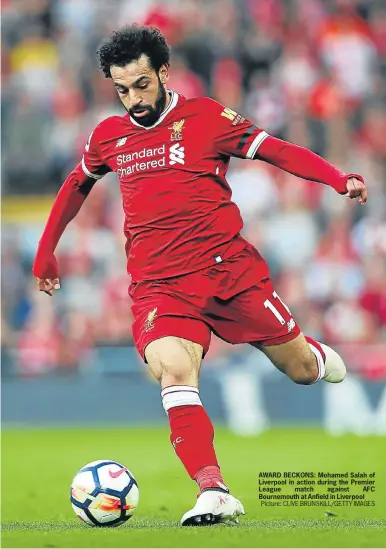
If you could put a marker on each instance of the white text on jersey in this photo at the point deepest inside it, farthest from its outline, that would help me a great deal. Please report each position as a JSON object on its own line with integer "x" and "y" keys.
{"x": 129, "y": 164}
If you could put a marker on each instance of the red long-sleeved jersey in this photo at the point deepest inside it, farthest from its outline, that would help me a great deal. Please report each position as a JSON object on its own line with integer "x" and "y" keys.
{"x": 179, "y": 216}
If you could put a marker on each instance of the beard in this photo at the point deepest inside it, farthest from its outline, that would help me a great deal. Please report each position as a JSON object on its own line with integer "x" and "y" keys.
{"x": 154, "y": 112}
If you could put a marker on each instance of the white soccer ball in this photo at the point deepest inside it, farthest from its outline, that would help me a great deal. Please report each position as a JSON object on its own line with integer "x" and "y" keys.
{"x": 104, "y": 493}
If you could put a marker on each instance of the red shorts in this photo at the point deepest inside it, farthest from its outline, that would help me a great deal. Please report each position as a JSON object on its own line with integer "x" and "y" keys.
{"x": 235, "y": 299}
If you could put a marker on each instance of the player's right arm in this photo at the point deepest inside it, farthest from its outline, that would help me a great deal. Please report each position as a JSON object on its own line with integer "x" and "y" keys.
{"x": 67, "y": 204}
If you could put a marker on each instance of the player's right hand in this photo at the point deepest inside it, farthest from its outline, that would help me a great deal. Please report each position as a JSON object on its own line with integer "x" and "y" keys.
{"x": 45, "y": 271}
{"x": 48, "y": 285}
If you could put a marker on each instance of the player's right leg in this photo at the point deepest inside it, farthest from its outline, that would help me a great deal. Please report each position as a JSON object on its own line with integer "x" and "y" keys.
{"x": 175, "y": 363}
{"x": 171, "y": 337}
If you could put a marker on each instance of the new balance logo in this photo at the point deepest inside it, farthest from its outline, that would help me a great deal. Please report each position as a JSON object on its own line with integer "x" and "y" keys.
{"x": 177, "y": 154}
{"x": 121, "y": 142}
{"x": 291, "y": 325}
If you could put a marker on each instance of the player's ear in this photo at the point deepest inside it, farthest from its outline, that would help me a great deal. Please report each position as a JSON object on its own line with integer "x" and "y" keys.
{"x": 164, "y": 74}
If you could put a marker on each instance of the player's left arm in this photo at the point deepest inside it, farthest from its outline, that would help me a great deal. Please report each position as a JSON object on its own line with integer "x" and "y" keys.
{"x": 304, "y": 163}
{"x": 234, "y": 135}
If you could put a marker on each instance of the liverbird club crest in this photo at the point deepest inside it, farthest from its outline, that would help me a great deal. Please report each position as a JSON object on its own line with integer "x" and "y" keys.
{"x": 177, "y": 128}
{"x": 149, "y": 322}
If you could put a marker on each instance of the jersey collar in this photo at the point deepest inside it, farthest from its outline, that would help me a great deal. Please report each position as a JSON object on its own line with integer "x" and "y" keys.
{"x": 172, "y": 103}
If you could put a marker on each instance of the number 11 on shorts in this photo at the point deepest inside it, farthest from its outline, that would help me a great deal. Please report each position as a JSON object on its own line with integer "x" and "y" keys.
{"x": 269, "y": 305}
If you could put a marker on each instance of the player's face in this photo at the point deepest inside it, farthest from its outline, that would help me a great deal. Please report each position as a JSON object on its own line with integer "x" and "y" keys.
{"x": 141, "y": 90}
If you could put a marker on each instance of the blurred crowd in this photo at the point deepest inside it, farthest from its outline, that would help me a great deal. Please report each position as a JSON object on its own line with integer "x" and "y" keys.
{"x": 312, "y": 72}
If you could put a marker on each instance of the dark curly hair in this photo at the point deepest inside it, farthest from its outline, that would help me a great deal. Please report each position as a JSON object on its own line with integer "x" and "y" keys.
{"x": 129, "y": 43}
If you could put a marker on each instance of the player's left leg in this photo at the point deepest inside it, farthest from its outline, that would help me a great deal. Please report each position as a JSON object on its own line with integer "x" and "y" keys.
{"x": 306, "y": 361}
{"x": 258, "y": 316}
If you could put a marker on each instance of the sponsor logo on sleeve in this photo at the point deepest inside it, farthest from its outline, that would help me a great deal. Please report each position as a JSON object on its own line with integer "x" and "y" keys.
{"x": 233, "y": 116}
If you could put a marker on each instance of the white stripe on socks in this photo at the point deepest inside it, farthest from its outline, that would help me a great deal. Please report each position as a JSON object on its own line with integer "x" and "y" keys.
{"x": 320, "y": 362}
{"x": 180, "y": 395}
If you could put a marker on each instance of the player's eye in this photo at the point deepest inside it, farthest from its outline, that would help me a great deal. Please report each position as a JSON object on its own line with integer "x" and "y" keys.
{"x": 121, "y": 90}
{"x": 143, "y": 86}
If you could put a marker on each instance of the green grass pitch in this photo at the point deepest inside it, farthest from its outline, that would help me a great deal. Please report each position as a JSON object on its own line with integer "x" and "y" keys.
{"x": 38, "y": 466}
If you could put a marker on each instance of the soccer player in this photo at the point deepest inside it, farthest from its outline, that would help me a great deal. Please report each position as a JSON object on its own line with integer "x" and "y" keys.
{"x": 192, "y": 273}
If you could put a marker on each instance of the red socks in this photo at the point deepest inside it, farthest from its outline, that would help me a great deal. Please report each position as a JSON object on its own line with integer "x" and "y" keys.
{"x": 209, "y": 478}
{"x": 320, "y": 355}
{"x": 192, "y": 435}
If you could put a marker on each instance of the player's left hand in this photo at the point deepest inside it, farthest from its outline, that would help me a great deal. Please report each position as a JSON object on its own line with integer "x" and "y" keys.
{"x": 356, "y": 189}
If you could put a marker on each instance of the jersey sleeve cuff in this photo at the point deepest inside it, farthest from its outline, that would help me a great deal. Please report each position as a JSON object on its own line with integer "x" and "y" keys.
{"x": 341, "y": 184}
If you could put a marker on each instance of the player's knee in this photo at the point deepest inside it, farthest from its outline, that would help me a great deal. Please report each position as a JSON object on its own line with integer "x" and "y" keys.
{"x": 171, "y": 363}
{"x": 181, "y": 373}
{"x": 172, "y": 371}
{"x": 303, "y": 371}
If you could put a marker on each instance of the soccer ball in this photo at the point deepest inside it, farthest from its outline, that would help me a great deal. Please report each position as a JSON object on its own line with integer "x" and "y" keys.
{"x": 104, "y": 493}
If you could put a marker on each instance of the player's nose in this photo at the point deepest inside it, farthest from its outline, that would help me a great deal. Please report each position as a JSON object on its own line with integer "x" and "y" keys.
{"x": 134, "y": 98}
